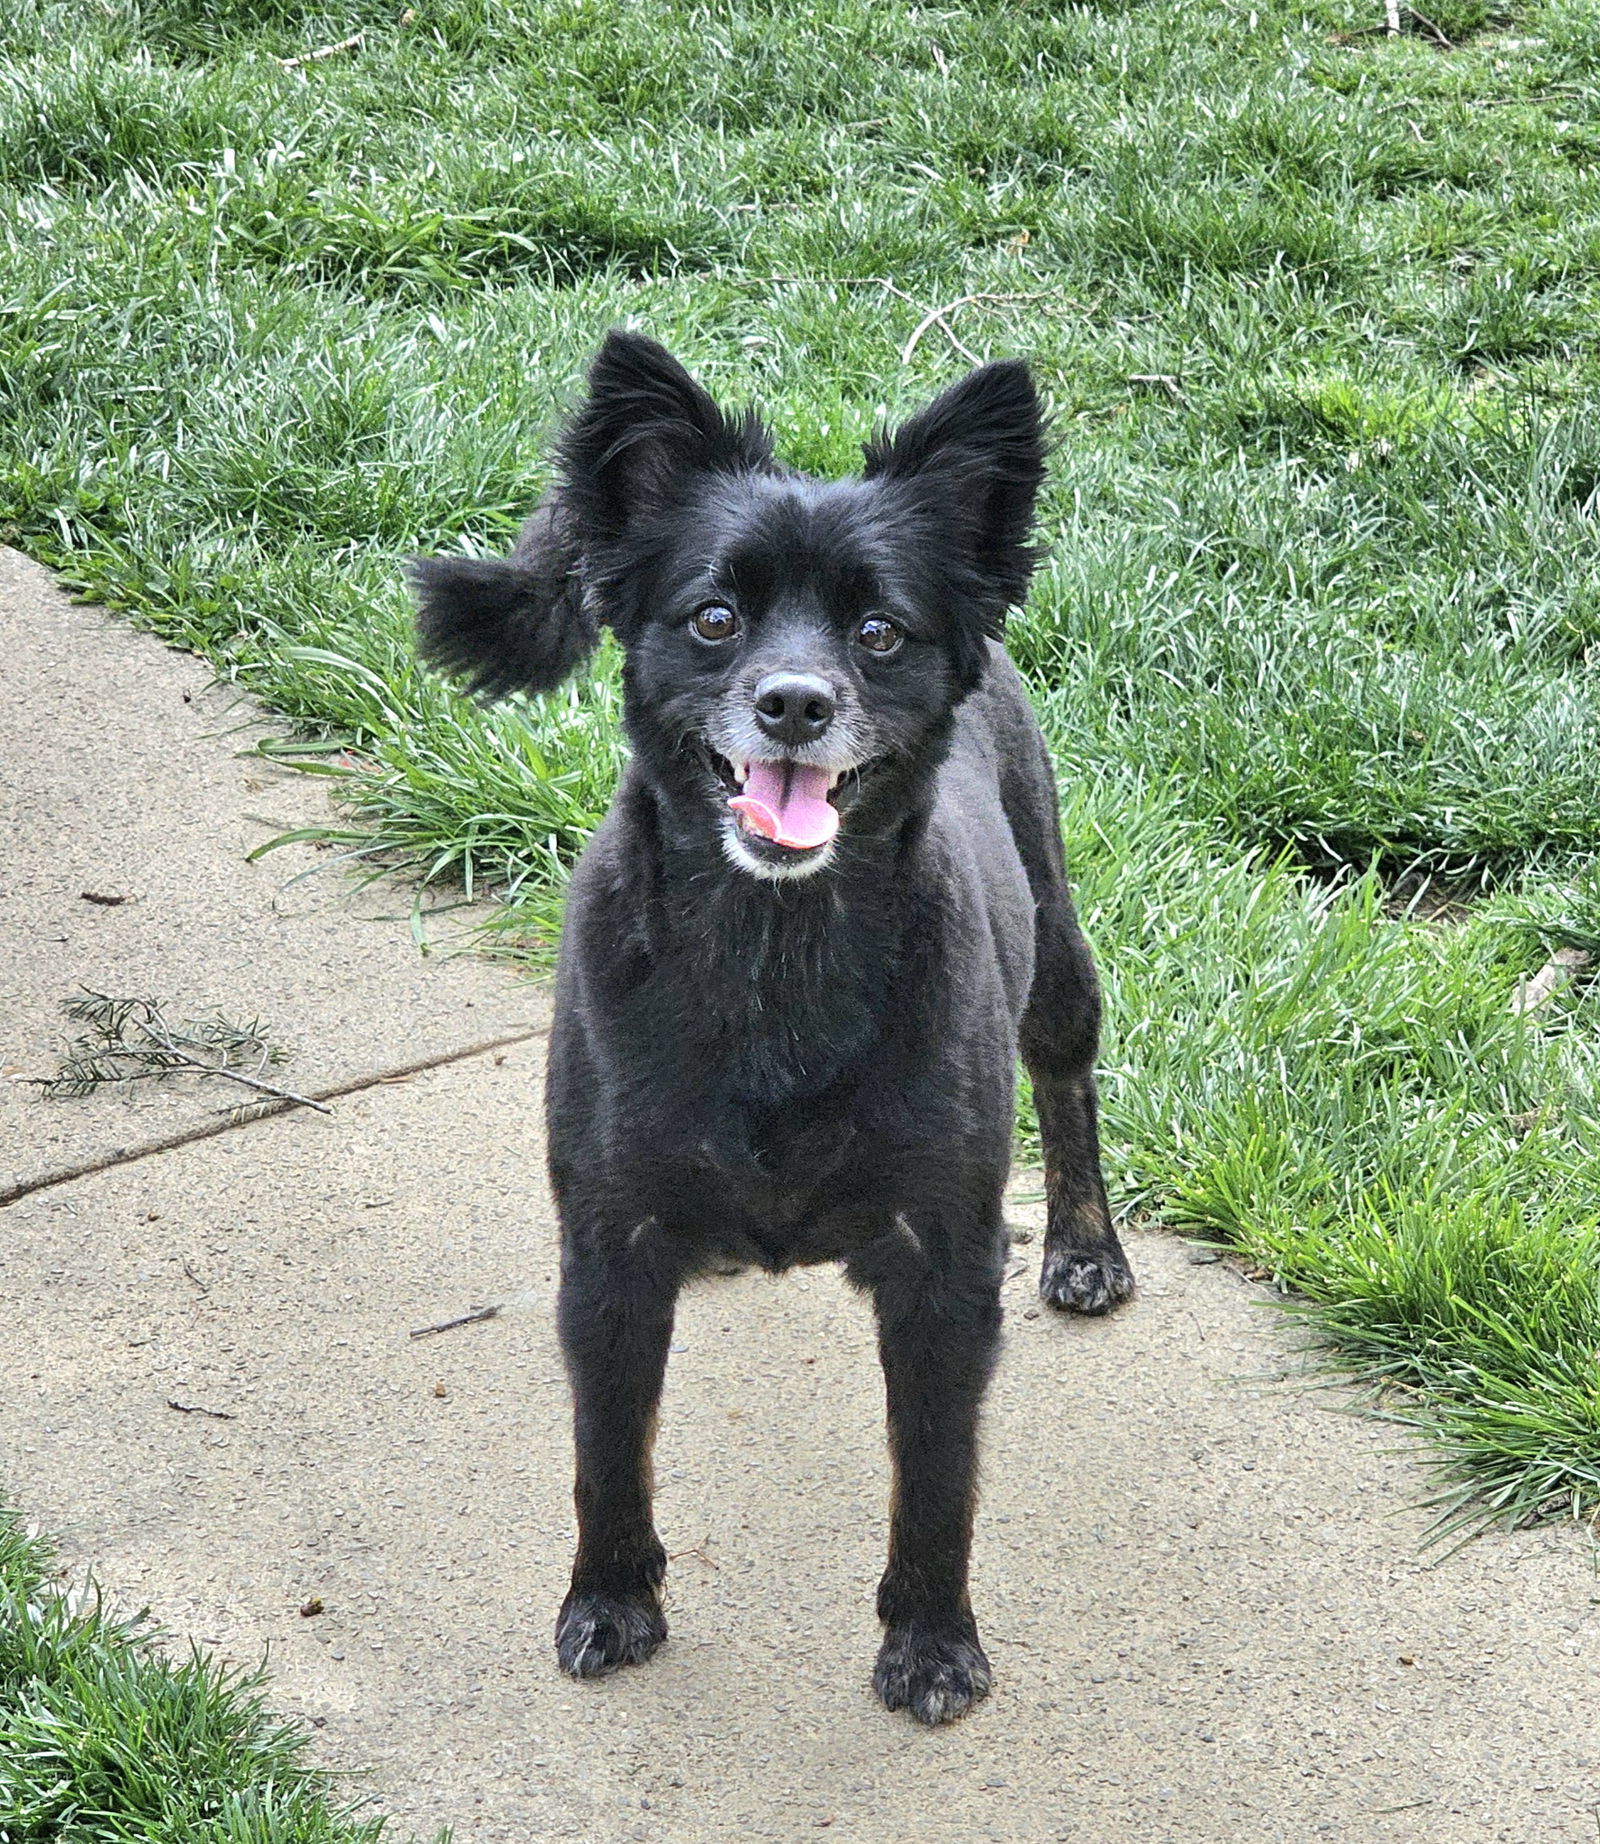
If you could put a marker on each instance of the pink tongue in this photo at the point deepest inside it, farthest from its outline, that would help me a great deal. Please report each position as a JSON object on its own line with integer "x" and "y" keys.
{"x": 788, "y": 803}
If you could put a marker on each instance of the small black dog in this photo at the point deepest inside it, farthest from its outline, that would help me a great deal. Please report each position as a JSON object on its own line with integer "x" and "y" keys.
{"x": 827, "y": 907}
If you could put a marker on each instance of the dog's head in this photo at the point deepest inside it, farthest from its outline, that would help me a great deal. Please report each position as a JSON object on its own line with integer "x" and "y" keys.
{"x": 795, "y": 648}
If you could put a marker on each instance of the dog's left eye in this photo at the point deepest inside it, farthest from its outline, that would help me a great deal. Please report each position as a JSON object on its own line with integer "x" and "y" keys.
{"x": 878, "y": 635}
{"x": 715, "y": 622}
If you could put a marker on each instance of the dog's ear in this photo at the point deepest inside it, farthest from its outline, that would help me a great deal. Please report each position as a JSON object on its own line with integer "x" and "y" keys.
{"x": 971, "y": 462}
{"x": 517, "y": 623}
{"x": 644, "y": 431}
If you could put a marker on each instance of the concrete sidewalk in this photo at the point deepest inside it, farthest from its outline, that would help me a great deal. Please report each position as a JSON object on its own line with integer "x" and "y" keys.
{"x": 121, "y": 779}
{"x": 1199, "y": 1582}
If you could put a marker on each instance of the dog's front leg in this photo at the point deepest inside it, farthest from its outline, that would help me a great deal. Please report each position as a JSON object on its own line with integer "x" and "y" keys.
{"x": 938, "y": 1335}
{"x": 615, "y": 1314}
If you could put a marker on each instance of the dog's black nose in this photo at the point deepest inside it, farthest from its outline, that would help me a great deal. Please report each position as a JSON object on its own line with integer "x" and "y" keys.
{"x": 794, "y": 707}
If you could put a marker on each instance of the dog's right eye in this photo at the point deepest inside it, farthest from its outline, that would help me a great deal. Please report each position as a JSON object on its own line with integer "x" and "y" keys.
{"x": 715, "y": 623}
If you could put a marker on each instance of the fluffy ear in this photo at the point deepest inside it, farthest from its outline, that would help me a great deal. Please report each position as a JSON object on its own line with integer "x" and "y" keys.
{"x": 645, "y": 429}
{"x": 518, "y": 623}
{"x": 972, "y": 462}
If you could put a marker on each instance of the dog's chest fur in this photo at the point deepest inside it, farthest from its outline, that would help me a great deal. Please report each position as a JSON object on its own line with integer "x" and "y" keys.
{"x": 787, "y": 990}
{"x": 788, "y": 994}
{"x": 755, "y": 1033}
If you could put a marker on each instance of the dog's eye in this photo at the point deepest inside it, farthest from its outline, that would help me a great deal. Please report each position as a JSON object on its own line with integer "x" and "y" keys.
{"x": 878, "y": 635}
{"x": 715, "y": 622}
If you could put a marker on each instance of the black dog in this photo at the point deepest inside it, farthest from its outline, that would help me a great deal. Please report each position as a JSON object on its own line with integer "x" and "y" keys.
{"x": 801, "y": 954}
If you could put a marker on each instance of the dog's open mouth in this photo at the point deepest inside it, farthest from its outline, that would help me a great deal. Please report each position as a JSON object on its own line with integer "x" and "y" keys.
{"x": 795, "y": 805}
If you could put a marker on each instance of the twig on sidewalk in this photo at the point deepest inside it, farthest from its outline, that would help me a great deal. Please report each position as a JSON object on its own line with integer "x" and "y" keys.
{"x": 131, "y": 1040}
{"x": 20, "y": 1188}
{"x": 192, "y": 1408}
{"x": 699, "y": 1551}
{"x": 478, "y": 1314}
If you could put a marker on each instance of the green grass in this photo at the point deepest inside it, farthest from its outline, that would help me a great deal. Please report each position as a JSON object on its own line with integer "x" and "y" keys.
{"x": 1319, "y": 312}
{"x": 105, "y": 1739}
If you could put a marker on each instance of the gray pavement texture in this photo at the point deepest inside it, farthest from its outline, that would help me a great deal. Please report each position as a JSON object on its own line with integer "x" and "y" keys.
{"x": 1200, "y": 1581}
{"x": 121, "y": 777}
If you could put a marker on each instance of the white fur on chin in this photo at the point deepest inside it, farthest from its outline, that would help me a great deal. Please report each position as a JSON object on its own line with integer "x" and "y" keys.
{"x": 736, "y": 852}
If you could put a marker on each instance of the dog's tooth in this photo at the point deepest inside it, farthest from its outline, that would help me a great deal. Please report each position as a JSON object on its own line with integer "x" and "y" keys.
{"x": 741, "y": 772}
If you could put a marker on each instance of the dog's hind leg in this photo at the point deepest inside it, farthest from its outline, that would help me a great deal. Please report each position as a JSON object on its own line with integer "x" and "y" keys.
{"x": 615, "y": 1317}
{"x": 1085, "y": 1269}
{"x": 938, "y": 1335}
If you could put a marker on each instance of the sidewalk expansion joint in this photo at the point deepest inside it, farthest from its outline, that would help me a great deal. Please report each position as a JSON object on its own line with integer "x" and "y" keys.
{"x": 253, "y": 1112}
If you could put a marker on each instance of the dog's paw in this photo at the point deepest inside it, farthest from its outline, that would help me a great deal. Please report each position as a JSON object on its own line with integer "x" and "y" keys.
{"x": 1079, "y": 1283}
{"x": 935, "y": 1673}
{"x": 598, "y": 1632}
